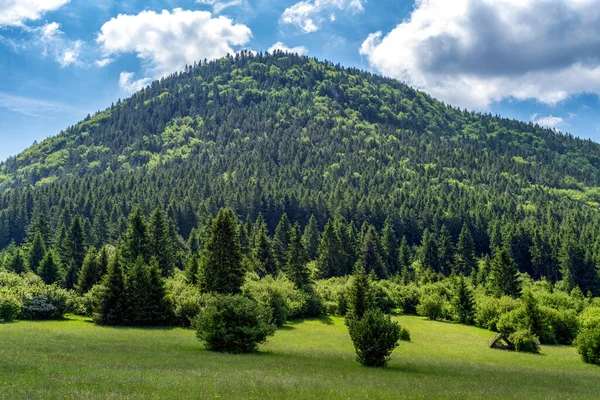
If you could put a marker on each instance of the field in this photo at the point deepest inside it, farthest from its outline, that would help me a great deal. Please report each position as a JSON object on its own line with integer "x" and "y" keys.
{"x": 74, "y": 359}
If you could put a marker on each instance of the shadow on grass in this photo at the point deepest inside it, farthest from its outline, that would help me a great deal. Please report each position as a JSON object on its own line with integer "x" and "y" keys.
{"x": 324, "y": 319}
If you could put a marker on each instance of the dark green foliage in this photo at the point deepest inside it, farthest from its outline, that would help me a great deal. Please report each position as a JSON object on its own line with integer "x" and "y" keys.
{"x": 389, "y": 245}
{"x": 525, "y": 342}
{"x": 404, "y": 261}
{"x": 331, "y": 256}
{"x": 428, "y": 252}
{"x": 281, "y": 241}
{"x": 17, "y": 263}
{"x": 136, "y": 239}
{"x": 191, "y": 269}
{"x": 370, "y": 257}
{"x": 464, "y": 303}
{"x": 160, "y": 243}
{"x": 445, "y": 249}
{"x": 297, "y": 257}
{"x": 221, "y": 269}
{"x": 10, "y": 306}
{"x": 233, "y": 324}
{"x": 50, "y": 269}
{"x": 404, "y": 334}
{"x": 36, "y": 252}
{"x": 504, "y": 275}
{"x": 311, "y": 238}
{"x": 465, "y": 261}
{"x": 262, "y": 256}
{"x": 375, "y": 336}
{"x": 113, "y": 299}
{"x": 588, "y": 345}
{"x": 91, "y": 271}
{"x": 75, "y": 249}
{"x": 359, "y": 296}
{"x": 145, "y": 296}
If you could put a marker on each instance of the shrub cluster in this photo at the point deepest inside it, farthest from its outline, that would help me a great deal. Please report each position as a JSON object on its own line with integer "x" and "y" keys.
{"x": 375, "y": 336}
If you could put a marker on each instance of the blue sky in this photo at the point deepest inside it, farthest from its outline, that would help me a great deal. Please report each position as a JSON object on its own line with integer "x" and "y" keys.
{"x": 527, "y": 59}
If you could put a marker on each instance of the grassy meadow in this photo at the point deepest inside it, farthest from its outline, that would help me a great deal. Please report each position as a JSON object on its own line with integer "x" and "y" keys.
{"x": 74, "y": 359}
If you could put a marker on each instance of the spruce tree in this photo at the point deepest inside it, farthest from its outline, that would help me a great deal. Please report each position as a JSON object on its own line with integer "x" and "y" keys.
{"x": 370, "y": 257}
{"x": 17, "y": 263}
{"x": 136, "y": 242}
{"x": 36, "y": 252}
{"x": 50, "y": 269}
{"x": 404, "y": 260}
{"x": 191, "y": 269}
{"x": 445, "y": 251}
{"x": 504, "y": 275}
{"x": 281, "y": 241}
{"x": 330, "y": 252}
{"x": 221, "y": 269}
{"x": 311, "y": 238}
{"x": 465, "y": 261}
{"x": 389, "y": 244}
{"x": 360, "y": 296}
{"x": 100, "y": 230}
{"x": 90, "y": 273}
{"x": 160, "y": 244}
{"x": 103, "y": 260}
{"x": 262, "y": 256}
{"x": 194, "y": 242}
{"x": 145, "y": 293}
{"x": 428, "y": 253}
{"x": 296, "y": 268}
{"x": 464, "y": 302}
{"x": 113, "y": 300}
{"x": 75, "y": 248}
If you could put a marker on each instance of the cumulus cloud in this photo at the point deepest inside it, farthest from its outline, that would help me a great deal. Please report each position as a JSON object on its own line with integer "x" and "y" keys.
{"x": 219, "y": 6}
{"x": 549, "y": 121}
{"x": 473, "y": 52}
{"x": 282, "y": 47}
{"x": 131, "y": 85}
{"x": 309, "y": 15}
{"x": 167, "y": 41}
{"x": 17, "y": 12}
{"x": 57, "y": 46}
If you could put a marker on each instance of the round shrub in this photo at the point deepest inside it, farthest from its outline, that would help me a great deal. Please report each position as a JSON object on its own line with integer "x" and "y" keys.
{"x": 233, "y": 324}
{"x": 431, "y": 307}
{"x": 10, "y": 307}
{"x": 375, "y": 336}
{"x": 409, "y": 297}
{"x": 525, "y": 342}
{"x": 404, "y": 334}
{"x": 489, "y": 309}
{"x": 588, "y": 345}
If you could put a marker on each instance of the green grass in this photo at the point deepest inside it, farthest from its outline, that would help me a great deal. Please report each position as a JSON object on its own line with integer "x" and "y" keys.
{"x": 74, "y": 359}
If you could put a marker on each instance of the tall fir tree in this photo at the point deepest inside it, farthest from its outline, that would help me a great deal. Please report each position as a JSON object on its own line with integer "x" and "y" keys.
{"x": 281, "y": 240}
{"x": 192, "y": 268}
{"x": 50, "y": 269}
{"x": 76, "y": 249}
{"x": 90, "y": 273}
{"x": 262, "y": 255}
{"x": 17, "y": 263}
{"x": 311, "y": 238}
{"x": 112, "y": 305}
{"x": 330, "y": 252}
{"x": 445, "y": 251}
{"x": 428, "y": 253}
{"x": 221, "y": 268}
{"x": 36, "y": 252}
{"x": 160, "y": 243}
{"x": 360, "y": 294}
{"x": 464, "y": 302}
{"x": 135, "y": 241}
{"x": 389, "y": 244}
{"x": 297, "y": 269}
{"x": 404, "y": 261}
{"x": 145, "y": 295}
{"x": 370, "y": 257}
{"x": 504, "y": 275}
{"x": 465, "y": 261}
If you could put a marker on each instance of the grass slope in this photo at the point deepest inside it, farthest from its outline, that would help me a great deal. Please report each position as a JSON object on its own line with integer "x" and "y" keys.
{"x": 74, "y": 359}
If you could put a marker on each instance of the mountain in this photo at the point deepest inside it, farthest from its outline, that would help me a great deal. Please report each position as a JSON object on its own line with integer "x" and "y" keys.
{"x": 274, "y": 134}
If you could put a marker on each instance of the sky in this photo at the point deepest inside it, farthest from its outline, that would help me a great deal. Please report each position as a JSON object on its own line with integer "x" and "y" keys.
{"x": 533, "y": 60}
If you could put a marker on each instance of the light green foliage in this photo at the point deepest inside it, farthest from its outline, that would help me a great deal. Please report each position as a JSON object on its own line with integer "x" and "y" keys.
{"x": 525, "y": 342}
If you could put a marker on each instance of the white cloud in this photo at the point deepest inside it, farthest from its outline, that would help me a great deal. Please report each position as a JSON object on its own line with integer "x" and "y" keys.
{"x": 219, "y": 6}
{"x": 131, "y": 85}
{"x": 55, "y": 45}
{"x": 167, "y": 41}
{"x": 549, "y": 121}
{"x": 309, "y": 15}
{"x": 282, "y": 47}
{"x": 473, "y": 52}
{"x": 16, "y": 12}
{"x": 103, "y": 62}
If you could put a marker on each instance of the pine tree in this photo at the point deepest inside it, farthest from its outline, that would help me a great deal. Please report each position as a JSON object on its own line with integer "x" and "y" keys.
{"x": 296, "y": 268}
{"x": 465, "y": 261}
{"x": 262, "y": 255}
{"x": 360, "y": 296}
{"x": 36, "y": 252}
{"x": 40, "y": 225}
{"x": 100, "y": 230}
{"x": 311, "y": 238}
{"x": 76, "y": 248}
{"x": 136, "y": 242}
{"x": 389, "y": 244}
{"x": 160, "y": 243}
{"x": 464, "y": 302}
{"x": 145, "y": 294}
{"x": 17, "y": 263}
{"x": 191, "y": 269}
{"x": 281, "y": 241}
{"x": 90, "y": 273}
{"x": 428, "y": 252}
{"x": 50, "y": 269}
{"x": 103, "y": 260}
{"x": 194, "y": 242}
{"x": 113, "y": 301}
{"x": 504, "y": 275}
{"x": 445, "y": 251}
{"x": 330, "y": 252}
{"x": 370, "y": 258}
{"x": 221, "y": 269}
{"x": 404, "y": 261}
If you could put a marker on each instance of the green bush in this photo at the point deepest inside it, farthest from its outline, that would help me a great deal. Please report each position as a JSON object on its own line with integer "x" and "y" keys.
{"x": 525, "y": 342}
{"x": 431, "y": 306}
{"x": 186, "y": 299}
{"x": 564, "y": 325}
{"x": 10, "y": 306}
{"x": 333, "y": 292}
{"x": 409, "y": 297}
{"x": 383, "y": 297}
{"x": 278, "y": 294}
{"x": 590, "y": 317}
{"x": 404, "y": 334}
{"x": 233, "y": 324}
{"x": 45, "y": 302}
{"x": 375, "y": 336}
{"x": 588, "y": 344}
{"x": 90, "y": 301}
{"x": 488, "y": 310}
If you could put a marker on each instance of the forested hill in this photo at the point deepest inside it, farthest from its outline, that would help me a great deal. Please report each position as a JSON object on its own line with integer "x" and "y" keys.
{"x": 274, "y": 134}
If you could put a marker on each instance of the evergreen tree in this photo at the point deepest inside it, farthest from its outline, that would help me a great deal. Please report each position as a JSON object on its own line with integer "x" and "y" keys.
{"x": 281, "y": 241}
{"x": 17, "y": 263}
{"x": 100, "y": 230}
{"x": 262, "y": 256}
{"x": 311, "y": 238}
{"x": 160, "y": 242}
{"x": 194, "y": 242}
{"x": 136, "y": 242}
{"x": 404, "y": 261}
{"x": 360, "y": 295}
{"x": 465, "y": 260}
{"x": 40, "y": 225}
{"x": 428, "y": 253}
{"x": 296, "y": 268}
{"x": 371, "y": 258}
{"x": 191, "y": 269}
{"x": 49, "y": 269}
{"x": 504, "y": 275}
{"x": 90, "y": 273}
{"x": 145, "y": 295}
{"x": 330, "y": 252}
{"x": 221, "y": 269}
{"x": 389, "y": 244}
{"x": 36, "y": 252}
{"x": 103, "y": 260}
{"x": 113, "y": 301}
{"x": 75, "y": 248}
{"x": 464, "y": 302}
{"x": 445, "y": 251}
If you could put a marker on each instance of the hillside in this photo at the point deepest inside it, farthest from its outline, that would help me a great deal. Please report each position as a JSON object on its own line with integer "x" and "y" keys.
{"x": 275, "y": 134}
